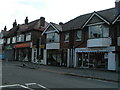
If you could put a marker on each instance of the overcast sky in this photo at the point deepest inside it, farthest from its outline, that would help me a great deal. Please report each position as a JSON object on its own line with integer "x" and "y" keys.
{"x": 53, "y": 10}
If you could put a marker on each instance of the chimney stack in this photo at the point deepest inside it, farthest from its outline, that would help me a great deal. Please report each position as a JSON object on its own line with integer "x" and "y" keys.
{"x": 117, "y": 6}
{"x": 42, "y": 21}
{"x": 60, "y": 23}
{"x": 15, "y": 23}
{"x": 26, "y": 20}
{"x": 5, "y": 29}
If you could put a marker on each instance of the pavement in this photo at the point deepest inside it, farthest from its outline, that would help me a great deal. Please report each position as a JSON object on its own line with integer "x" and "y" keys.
{"x": 111, "y": 76}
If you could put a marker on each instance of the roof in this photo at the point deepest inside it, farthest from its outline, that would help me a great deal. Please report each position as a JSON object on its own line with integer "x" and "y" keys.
{"x": 34, "y": 25}
{"x": 78, "y": 22}
{"x": 58, "y": 27}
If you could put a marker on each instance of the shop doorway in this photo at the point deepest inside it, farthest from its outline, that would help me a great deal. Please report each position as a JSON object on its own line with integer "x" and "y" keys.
{"x": 83, "y": 60}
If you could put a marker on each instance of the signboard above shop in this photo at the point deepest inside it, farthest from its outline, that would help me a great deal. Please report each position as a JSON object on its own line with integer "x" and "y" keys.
{"x": 22, "y": 45}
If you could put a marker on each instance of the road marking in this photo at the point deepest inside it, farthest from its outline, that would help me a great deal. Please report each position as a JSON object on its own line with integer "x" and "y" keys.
{"x": 43, "y": 87}
{"x": 28, "y": 84}
{"x": 26, "y": 87}
{"x": 9, "y": 85}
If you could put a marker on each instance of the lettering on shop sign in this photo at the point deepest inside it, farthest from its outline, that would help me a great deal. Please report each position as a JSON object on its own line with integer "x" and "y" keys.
{"x": 22, "y": 45}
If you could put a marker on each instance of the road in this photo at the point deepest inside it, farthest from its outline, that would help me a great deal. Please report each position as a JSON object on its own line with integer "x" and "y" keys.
{"x": 47, "y": 79}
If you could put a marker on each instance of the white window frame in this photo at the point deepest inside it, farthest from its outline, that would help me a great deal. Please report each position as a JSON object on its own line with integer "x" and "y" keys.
{"x": 55, "y": 38}
{"x": 99, "y": 31}
{"x": 14, "y": 39}
{"x": 28, "y": 36}
{"x": 1, "y": 41}
{"x": 80, "y": 37}
{"x": 65, "y": 36}
{"x": 20, "y": 38}
{"x": 8, "y": 40}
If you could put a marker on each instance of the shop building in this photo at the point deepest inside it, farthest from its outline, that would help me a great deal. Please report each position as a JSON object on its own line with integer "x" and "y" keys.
{"x": 23, "y": 41}
{"x": 28, "y": 36}
{"x": 52, "y": 52}
{"x": 91, "y": 40}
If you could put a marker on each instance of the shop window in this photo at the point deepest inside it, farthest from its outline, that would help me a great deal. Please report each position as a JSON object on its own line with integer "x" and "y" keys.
{"x": 14, "y": 40}
{"x": 78, "y": 35}
{"x": 52, "y": 38}
{"x": 8, "y": 41}
{"x": 28, "y": 36}
{"x": 98, "y": 31}
{"x": 66, "y": 38}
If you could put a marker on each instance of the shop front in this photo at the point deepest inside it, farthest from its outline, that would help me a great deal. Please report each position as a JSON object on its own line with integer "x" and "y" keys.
{"x": 9, "y": 53}
{"x": 56, "y": 58}
{"x": 102, "y": 58}
{"x": 23, "y": 52}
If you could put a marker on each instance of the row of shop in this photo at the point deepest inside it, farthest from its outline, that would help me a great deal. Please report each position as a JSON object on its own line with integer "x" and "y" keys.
{"x": 102, "y": 58}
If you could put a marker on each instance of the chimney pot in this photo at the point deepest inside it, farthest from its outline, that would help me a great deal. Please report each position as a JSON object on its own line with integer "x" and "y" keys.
{"x": 42, "y": 21}
{"x": 26, "y": 20}
{"x": 5, "y": 28}
{"x": 60, "y": 23}
{"x": 15, "y": 23}
{"x": 117, "y": 6}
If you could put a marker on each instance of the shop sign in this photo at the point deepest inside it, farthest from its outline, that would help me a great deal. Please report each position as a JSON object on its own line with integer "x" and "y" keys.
{"x": 22, "y": 45}
{"x": 42, "y": 46}
{"x": 8, "y": 47}
{"x": 34, "y": 46}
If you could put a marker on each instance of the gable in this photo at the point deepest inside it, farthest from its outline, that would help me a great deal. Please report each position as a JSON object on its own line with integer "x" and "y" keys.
{"x": 117, "y": 19}
{"x": 50, "y": 28}
{"x": 94, "y": 20}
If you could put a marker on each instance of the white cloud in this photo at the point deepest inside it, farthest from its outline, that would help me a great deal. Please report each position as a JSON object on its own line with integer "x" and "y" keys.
{"x": 53, "y": 10}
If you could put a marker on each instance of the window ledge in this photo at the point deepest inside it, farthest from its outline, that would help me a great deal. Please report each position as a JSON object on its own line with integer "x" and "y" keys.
{"x": 66, "y": 41}
{"x": 78, "y": 40}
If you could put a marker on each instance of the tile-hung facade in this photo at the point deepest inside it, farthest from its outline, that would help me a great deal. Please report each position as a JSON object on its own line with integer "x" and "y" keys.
{"x": 52, "y": 53}
{"x": 23, "y": 40}
{"x": 92, "y": 40}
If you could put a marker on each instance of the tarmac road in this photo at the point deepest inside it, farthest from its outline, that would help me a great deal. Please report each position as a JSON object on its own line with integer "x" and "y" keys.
{"x": 13, "y": 74}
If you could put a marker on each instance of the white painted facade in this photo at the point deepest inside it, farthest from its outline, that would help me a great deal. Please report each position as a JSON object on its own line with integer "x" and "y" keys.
{"x": 99, "y": 42}
{"x": 34, "y": 55}
{"x": 53, "y": 46}
{"x": 45, "y": 57}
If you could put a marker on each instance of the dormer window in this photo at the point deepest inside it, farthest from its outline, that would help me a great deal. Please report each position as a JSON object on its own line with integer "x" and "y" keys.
{"x": 98, "y": 31}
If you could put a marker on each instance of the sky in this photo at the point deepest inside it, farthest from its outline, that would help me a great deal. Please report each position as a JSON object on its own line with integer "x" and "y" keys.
{"x": 53, "y": 10}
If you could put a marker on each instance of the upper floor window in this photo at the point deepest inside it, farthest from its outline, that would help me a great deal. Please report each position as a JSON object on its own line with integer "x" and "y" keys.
{"x": 99, "y": 31}
{"x": 66, "y": 38}
{"x": 20, "y": 38}
{"x": 78, "y": 35}
{"x": 13, "y": 39}
{"x": 28, "y": 36}
{"x": 52, "y": 37}
{"x": 1, "y": 41}
{"x": 8, "y": 40}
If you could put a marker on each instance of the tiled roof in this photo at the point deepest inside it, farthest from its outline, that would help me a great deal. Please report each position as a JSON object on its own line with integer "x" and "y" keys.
{"x": 78, "y": 22}
{"x": 58, "y": 27}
